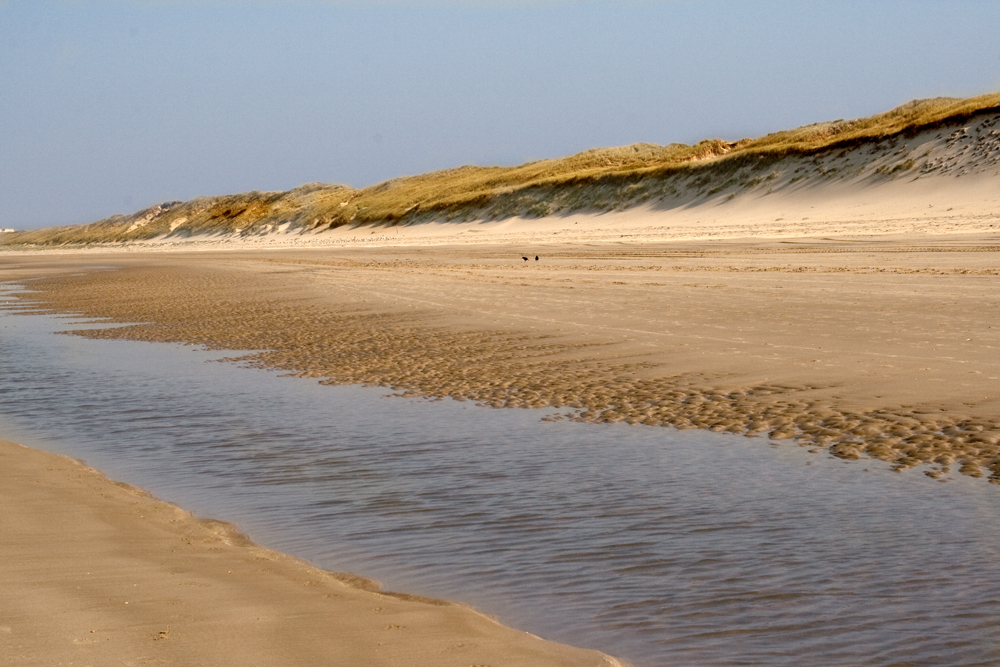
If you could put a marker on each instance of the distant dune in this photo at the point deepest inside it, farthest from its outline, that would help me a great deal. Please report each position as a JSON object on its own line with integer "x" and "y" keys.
{"x": 941, "y": 138}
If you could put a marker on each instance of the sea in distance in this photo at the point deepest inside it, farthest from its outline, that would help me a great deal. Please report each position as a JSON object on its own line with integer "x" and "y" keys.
{"x": 658, "y": 546}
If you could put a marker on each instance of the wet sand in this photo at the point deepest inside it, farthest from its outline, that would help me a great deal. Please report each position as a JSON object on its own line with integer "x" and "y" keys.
{"x": 880, "y": 347}
{"x": 98, "y": 573}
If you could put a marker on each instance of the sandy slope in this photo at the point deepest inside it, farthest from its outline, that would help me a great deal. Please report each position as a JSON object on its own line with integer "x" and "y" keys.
{"x": 101, "y": 573}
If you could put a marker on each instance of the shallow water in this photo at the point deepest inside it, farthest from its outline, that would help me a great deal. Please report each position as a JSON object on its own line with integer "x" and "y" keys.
{"x": 658, "y": 546}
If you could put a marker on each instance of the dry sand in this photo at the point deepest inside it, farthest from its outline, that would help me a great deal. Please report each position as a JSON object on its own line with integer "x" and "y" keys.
{"x": 101, "y": 573}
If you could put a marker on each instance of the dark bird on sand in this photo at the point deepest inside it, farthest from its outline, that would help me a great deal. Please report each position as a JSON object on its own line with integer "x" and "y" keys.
{"x": 525, "y": 258}
{"x": 536, "y": 258}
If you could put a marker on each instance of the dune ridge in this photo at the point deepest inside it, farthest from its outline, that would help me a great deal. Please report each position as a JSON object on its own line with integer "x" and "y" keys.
{"x": 941, "y": 137}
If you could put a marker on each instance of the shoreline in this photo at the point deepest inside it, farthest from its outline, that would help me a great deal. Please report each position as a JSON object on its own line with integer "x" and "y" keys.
{"x": 880, "y": 348}
{"x": 855, "y": 347}
{"x": 99, "y": 570}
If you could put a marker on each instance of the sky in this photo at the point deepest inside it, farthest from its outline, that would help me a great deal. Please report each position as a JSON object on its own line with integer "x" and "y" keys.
{"x": 110, "y": 107}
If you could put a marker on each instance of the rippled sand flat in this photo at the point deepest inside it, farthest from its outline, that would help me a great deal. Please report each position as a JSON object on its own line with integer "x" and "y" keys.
{"x": 862, "y": 346}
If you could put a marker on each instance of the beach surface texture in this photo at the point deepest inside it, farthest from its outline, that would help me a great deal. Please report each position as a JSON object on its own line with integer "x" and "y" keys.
{"x": 97, "y": 572}
{"x": 844, "y": 296}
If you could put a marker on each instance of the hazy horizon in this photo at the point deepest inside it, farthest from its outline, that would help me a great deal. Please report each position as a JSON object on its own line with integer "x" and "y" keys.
{"x": 110, "y": 107}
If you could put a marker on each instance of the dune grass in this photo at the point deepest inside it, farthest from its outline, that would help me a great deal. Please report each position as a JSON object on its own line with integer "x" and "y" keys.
{"x": 600, "y": 179}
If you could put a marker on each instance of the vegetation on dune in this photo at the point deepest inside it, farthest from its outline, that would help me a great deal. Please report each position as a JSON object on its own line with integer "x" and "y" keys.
{"x": 599, "y": 180}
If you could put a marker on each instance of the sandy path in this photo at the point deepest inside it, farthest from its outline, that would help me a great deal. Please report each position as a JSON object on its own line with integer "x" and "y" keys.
{"x": 100, "y": 573}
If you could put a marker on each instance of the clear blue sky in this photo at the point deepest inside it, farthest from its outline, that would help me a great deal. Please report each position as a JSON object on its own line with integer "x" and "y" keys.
{"x": 109, "y": 107}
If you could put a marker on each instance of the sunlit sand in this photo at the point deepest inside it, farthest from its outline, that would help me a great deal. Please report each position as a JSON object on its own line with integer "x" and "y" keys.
{"x": 847, "y": 303}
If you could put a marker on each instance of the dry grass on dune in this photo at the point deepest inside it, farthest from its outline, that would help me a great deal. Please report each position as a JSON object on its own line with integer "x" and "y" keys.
{"x": 599, "y": 179}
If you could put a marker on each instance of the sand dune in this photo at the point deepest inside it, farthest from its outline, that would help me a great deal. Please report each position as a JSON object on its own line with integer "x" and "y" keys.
{"x": 775, "y": 176}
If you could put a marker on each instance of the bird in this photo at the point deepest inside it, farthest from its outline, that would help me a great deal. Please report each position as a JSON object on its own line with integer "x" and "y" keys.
{"x": 536, "y": 258}
{"x": 525, "y": 258}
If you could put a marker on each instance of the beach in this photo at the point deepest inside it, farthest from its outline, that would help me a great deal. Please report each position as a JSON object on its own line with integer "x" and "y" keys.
{"x": 532, "y": 334}
{"x": 889, "y": 343}
{"x": 878, "y": 346}
{"x": 99, "y": 572}
{"x": 858, "y": 324}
